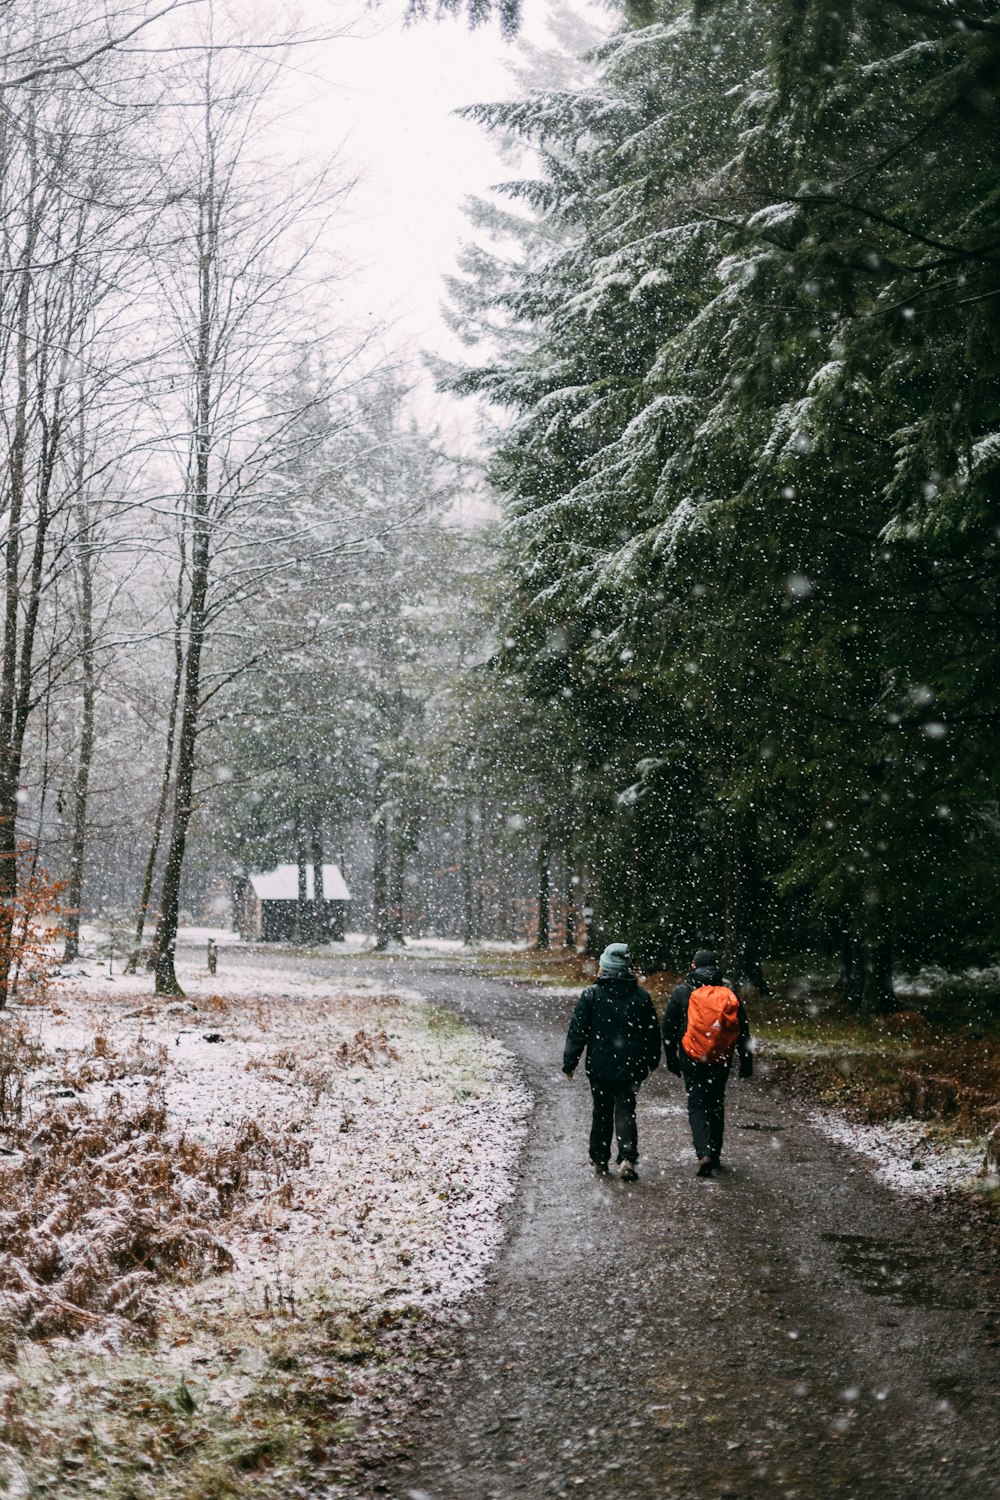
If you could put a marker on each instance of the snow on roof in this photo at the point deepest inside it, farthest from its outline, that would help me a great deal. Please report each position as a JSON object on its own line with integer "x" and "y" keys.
{"x": 282, "y": 884}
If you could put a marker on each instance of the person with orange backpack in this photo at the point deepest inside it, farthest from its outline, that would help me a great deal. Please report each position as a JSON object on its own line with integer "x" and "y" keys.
{"x": 704, "y": 1027}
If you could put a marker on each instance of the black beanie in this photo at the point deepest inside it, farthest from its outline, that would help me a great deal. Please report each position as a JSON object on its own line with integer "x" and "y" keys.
{"x": 705, "y": 959}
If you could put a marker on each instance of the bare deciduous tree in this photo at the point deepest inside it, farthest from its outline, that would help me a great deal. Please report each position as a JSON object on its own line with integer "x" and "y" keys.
{"x": 232, "y": 292}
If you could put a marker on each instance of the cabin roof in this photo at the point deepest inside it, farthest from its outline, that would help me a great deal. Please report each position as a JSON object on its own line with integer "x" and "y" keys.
{"x": 282, "y": 884}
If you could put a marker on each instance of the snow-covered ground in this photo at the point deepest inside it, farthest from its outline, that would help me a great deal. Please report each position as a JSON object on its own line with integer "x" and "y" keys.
{"x": 903, "y": 1155}
{"x": 409, "y": 1126}
{"x": 929, "y": 980}
{"x": 359, "y": 942}
{"x": 384, "y": 1138}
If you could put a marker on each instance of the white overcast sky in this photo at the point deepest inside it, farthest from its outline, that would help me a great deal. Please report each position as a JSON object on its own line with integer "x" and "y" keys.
{"x": 382, "y": 99}
{"x": 387, "y": 95}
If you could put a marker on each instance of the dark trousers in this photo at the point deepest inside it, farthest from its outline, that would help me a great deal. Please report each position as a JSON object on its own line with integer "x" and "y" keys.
{"x": 706, "y": 1095}
{"x": 614, "y": 1109}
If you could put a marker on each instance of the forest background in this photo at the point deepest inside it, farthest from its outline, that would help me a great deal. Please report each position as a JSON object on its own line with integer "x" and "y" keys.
{"x": 724, "y": 669}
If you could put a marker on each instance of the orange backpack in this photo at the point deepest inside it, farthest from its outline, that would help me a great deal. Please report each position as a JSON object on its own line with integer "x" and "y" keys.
{"x": 713, "y": 1024}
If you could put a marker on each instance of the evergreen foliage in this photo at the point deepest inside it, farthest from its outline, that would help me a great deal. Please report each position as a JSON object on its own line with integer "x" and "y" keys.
{"x": 750, "y": 476}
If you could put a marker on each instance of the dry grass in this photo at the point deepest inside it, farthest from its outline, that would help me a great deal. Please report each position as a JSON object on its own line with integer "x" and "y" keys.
{"x": 215, "y": 1005}
{"x": 289, "y": 1373}
{"x": 99, "y": 1209}
{"x": 939, "y": 1064}
{"x": 947, "y": 1081}
{"x": 100, "y": 1206}
{"x": 20, "y": 1053}
{"x": 102, "y": 1064}
{"x": 366, "y": 1049}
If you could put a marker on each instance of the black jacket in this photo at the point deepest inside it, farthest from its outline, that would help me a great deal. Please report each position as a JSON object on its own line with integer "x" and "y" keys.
{"x": 615, "y": 1020}
{"x": 675, "y": 1022}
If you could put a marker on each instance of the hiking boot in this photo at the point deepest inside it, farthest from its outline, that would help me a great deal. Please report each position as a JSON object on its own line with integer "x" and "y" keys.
{"x": 601, "y": 1167}
{"x": 705, "y": 1165}
{"x": 627, "y": 1172}
{"x": 717, "y": 1164}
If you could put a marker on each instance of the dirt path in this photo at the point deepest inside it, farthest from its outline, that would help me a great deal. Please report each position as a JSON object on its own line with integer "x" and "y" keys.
{"x": 788, "y": 1329}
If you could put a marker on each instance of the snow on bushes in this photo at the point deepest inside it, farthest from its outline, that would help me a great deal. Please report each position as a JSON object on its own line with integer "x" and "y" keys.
{"x": 99, "y": 1205}
{"x": 296, "y": 1142}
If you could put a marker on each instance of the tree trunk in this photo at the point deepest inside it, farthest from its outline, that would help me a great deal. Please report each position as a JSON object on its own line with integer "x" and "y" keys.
{"x": 301, "y": 925}
{"x": 204, "y": 399}
{"x": 161, "y": 808}
{"x": 848, "y": 983}
{"x": 10, "y": 769}
{"x": 877, "y": 995}
{"x": 544, "y": 886}
{"x": 397, "y": 879}
{"x": 38, "y": 387}
{"x": 320, "y": 930}
{"x": 166, "y": 928}
{"x": 469, "y": 933}
{"x": 592, "y": 934}
{"x": 405, "y": 843}
{"x": 300, "y": 931}
{"x": 241, "y": 893}
{"x": 85, "y": 754}
{"x": 741, "y": 955}
{"x": 569, "y": 901}
{"x": 380, "y": 879}
{"x": 866, "y": 955}
{"x": 866, "y": 977}
{"x": 478, "y": 883}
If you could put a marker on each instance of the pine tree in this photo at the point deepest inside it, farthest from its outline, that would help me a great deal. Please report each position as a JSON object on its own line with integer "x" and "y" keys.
{"x": 750, "y": 351}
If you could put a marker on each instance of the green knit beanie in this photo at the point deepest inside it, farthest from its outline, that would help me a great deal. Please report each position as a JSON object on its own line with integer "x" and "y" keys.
{"x": 616, "y": 959}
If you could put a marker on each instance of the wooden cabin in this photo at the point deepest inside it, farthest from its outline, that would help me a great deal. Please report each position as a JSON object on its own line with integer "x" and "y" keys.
{"x": 275, "y": 906}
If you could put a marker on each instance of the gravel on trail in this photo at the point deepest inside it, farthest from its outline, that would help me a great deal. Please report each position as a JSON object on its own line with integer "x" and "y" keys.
{"x": 788, "y": 1328}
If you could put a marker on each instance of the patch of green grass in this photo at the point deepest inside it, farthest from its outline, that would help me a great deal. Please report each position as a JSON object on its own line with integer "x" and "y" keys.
{"x": 555, "y": 966}
{"x": 444, "y": 1023}
{"x": 243, "y": 1416}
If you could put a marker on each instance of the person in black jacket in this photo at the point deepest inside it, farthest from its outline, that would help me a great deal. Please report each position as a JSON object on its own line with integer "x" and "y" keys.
{"x": 705, "y": 1081}
{"x": 615, "y": 1021}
